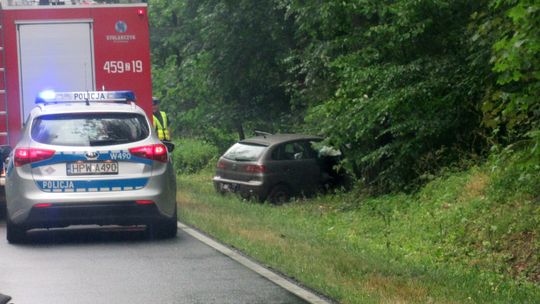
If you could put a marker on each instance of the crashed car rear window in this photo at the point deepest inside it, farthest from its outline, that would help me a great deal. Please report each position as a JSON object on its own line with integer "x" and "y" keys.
{"x": 89, "y": 129}
{"x": 244, "y": 152}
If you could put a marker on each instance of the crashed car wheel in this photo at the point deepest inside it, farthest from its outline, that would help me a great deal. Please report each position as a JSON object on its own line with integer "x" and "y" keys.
{"x": 279, "y": 195}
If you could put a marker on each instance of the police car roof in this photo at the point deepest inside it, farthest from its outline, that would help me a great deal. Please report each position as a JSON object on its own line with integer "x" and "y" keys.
{"x": 51, "y": 102}
{"x": 53, "y": 97}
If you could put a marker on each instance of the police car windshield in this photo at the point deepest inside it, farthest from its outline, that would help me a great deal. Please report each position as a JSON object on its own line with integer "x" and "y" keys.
{"x": 89, "y": 129}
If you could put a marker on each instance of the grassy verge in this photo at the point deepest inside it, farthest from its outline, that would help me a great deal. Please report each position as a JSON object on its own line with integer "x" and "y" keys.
{"x": 448, "y": 243}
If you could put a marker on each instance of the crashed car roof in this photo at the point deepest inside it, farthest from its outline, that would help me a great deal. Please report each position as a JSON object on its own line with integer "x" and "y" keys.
{"x": 273, "y": 139}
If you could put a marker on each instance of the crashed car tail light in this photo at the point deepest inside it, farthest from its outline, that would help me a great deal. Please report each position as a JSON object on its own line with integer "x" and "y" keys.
{"x": 255, "y": 168}
{"x": 25, "y": 156}
{"x": 157, "y": 152}
{"x": 221, "y": 164}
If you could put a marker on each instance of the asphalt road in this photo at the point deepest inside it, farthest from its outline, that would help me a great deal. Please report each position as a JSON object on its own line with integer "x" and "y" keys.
{"x": 121, "y": 265}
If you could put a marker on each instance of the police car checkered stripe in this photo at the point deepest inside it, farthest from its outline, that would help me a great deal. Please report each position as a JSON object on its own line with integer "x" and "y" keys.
{"x": 92, "y": 185}
{"x": 63, "y": 157}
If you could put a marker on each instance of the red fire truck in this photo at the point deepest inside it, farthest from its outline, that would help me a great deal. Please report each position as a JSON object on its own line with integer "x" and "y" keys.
{"x": 68, "y": 45}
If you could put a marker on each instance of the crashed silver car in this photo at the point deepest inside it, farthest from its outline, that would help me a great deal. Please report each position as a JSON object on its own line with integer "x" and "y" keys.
{"x": 89, "y": 158}
{"x": 276, "y": 167}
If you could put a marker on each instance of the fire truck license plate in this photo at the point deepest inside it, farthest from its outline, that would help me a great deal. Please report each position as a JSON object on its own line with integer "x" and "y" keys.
{"x": 92, "y": 168}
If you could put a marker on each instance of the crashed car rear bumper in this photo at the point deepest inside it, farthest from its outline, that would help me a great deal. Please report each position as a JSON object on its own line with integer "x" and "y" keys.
{"x": 245, "y": 189}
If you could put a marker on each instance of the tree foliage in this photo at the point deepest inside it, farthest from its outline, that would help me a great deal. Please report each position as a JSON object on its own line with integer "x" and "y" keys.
{"x": 403, "y": 87}
{"x": 513, "y": 109}
{"x": 224, "y": 64}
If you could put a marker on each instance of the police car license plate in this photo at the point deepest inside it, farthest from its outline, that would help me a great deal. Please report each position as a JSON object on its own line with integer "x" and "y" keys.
{"x": 92, "y": 168}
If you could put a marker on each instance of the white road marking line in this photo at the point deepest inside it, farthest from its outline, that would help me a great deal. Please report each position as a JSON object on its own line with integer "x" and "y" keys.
{"x": 261, "y": 270}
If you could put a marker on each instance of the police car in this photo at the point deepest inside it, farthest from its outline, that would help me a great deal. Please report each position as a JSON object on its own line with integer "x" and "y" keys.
{"x": 89, "y": 158}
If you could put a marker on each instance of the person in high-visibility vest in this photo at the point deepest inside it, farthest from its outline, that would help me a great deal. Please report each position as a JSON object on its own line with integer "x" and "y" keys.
{"x": 161, "y": 123}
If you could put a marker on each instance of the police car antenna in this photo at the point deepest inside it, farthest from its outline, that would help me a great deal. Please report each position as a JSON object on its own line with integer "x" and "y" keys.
{"x": 86, "y": 84}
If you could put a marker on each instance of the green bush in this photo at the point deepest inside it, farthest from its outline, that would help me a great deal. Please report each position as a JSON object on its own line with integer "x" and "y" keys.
{"x": 192, "y": 155}
{"x": 515, "y": 170}
{"x": 218, "y": 138}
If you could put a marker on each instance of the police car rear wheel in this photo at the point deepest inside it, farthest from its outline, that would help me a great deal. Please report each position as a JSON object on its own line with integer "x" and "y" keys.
{"x": 164, "y": 229}
{"x": 14, "y": 233}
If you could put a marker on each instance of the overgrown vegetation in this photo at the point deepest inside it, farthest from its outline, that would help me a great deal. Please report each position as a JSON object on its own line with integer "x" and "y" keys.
{"x": 191, "y": 156}
{"x": 454, "y": 240}
{"x": 410, "y": 91}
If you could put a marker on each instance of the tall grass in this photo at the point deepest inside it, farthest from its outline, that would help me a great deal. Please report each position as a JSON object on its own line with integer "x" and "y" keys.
{"x": 451, "y": 242}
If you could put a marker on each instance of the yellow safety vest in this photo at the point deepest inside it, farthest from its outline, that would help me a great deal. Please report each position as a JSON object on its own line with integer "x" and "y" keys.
{"x": 162, "y": 130}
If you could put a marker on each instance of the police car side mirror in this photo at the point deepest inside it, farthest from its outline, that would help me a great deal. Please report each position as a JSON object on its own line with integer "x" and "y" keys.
{"x": 170, "y": 146}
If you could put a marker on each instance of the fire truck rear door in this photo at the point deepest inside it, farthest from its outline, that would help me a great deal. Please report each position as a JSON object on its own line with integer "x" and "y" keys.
{"x": 54, "y": 55}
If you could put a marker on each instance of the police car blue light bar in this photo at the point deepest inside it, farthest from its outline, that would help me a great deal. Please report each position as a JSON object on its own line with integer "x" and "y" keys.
{"x": 85, "y": 96}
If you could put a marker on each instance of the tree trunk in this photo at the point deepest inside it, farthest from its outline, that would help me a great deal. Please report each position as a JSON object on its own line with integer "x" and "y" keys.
{"x": 240, "y": 130}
